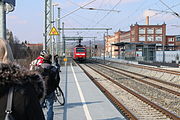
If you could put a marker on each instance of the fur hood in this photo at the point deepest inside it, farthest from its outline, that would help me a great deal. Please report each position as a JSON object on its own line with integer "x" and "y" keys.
{"x": 6, "y": 55}
{"x": 14, "y": 75}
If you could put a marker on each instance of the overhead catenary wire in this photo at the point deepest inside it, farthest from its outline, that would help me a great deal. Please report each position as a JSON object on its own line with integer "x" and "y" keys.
{"x": 109, "y": 12}
{"x": 133, "y": 13}
{"x": 78, "y": 9}
{"x": 143, "y": 19}
{"x": 175, "y": 13}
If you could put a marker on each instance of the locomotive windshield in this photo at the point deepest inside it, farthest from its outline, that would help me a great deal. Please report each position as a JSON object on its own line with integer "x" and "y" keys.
{"x": 80, "y": 49}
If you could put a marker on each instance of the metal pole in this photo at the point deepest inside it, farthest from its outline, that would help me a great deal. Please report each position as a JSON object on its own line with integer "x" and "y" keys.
{"x": 45, "y": 28}
{"x": 111, "y": 50}
{"x": 90, "y": 46}
{"x": 94, "y": 48}
{"x": 66, "y": 69}
{"x": 53, "y": 49}
{"x": 107, "y": 38}
{"x": 48, "y": 25}
{"x": 64, "y": 43}
{"x": 104, "y": 48}
{"x": 59, "y": 37}
{"x": 2, "y": 20}
{"x": 163, "y": 45}
{"x": 53, "y": 40}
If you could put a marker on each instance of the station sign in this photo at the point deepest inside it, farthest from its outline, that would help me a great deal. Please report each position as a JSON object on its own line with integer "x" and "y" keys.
{"x": 65, "y": 59}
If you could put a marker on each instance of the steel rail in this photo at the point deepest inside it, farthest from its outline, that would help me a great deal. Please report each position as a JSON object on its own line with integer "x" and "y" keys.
{"x": 150, "y": 68}
{"x": 116, "y": 103}
{"x": 157, "y": 107}
{"x": 152, "y": 78}
{"x": 146, "y": 82}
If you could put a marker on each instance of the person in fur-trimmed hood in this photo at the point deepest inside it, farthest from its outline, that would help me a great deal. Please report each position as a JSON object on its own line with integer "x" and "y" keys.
{"x": 28, "y": 90}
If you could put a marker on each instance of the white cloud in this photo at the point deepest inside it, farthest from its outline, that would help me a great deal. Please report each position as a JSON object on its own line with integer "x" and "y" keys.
{"x": 113, "y": 2}
{"x": 22, "y": 22}
{"x": 149, "y": 13}
{"x": 11, "y": 17}
{"x": 130, "y": 1}
{"x": 159, "y": 16}
{"x": 16, "y": 20}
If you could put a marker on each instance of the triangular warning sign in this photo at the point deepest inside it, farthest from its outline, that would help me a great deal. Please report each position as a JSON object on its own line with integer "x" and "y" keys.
{"x": 53, "y": 31}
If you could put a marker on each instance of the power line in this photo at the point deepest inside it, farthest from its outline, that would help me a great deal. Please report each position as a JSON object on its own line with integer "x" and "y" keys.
{"x": 133, "y": 13}
{"x": 108, "y": 12}
{"x": 78, "y": 9}
{"x": 102, "y": 9}
{"x": 174, "y": 13}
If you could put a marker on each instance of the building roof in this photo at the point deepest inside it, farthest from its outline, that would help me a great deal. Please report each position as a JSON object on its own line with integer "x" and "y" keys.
{"x": 125, "y": 43}
{"x": 29, "y": 45}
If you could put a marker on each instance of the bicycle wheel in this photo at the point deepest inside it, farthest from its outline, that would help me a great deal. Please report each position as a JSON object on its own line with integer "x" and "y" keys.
{"x": 60, "y": 96}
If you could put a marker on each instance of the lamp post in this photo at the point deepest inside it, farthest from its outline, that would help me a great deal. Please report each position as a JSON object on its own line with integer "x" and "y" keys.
{"x": 58, "y": 37}
{"x": 6, "y": 6}
{"x": 104, "y": 48}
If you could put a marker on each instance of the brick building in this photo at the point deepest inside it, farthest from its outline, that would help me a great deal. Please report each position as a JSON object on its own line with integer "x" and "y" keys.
{"x": 145, "y": 39}
{"x": 111, "y": 50}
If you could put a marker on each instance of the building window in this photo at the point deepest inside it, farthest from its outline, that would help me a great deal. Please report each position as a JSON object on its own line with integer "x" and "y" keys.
{"x": 158, "y": 38}
{"x": 178, "y": 38}
{"x": 141, "y": 30}
{"x": 171, "y": 39}
{"x": 171, "y": 44}
{"x": 150, "y": 30}
{"x": 158, "y": 30}
{"x": 133, "y": 39}
{"x": 150, "y": 38}
{"x": 141, "y": 38}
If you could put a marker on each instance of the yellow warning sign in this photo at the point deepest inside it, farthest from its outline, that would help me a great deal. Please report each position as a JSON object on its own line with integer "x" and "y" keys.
{"x": 53, "y": 31}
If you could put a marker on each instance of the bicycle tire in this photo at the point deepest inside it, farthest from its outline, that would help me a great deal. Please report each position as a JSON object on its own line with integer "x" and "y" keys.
{"x": 60, "y": 96}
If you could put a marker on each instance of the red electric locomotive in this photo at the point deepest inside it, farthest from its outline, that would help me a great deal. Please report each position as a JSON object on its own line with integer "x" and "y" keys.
{"x": 79, "y": 53}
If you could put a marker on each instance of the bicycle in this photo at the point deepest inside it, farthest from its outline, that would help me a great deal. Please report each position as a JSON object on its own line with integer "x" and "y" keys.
{"x": 59, "y": 96}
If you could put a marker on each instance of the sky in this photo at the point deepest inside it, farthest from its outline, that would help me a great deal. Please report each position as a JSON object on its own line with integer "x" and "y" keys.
{"x": 27, "y": 20}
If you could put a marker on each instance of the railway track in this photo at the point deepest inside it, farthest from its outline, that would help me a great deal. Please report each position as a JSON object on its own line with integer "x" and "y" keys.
{"x": 141, "y": 105}
{"x": 166, "y": 86}
{"x": 166, "y": 76}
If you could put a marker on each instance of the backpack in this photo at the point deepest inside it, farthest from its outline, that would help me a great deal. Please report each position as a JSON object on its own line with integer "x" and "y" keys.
{"x": 51, "y": 77}
{"x": 36, "y": 63}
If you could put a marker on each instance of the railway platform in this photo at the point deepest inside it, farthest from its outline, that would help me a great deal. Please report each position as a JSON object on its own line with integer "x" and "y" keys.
{"x": 84, "y": 101}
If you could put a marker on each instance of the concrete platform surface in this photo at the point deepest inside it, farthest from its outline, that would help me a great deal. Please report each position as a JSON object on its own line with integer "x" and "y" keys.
{"x": 84, "y": 101}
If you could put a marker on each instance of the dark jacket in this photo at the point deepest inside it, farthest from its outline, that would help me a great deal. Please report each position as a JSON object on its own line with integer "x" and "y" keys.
{"x": 50, "y": 76}
{"x": 28, "y": 90}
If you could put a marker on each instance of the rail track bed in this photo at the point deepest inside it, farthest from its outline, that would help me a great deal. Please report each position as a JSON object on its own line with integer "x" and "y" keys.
{"x": 142, "y": 97}
{"x": 171, "y": 76}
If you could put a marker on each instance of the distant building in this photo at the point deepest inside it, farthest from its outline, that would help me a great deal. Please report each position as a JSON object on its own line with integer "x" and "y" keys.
{"x": 34, "y": 46}
{"x": 141, "y": 40}
{"x": 34, "y": 49}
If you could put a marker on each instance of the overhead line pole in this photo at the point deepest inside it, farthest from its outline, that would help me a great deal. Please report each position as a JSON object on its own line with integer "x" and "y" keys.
{"x": 64, "y": 43}
{"x": 104, "y": 48}
{"x": 58, "y": 42}
{"x": 48, "y": 24}
{"x": 64, "y": 40}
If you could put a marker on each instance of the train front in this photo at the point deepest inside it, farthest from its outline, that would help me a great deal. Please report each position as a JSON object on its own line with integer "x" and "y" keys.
{"x": 80, "y": 53}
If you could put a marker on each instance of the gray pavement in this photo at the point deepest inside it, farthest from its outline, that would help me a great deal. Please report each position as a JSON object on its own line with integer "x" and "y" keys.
{"x": 84, "y": 101}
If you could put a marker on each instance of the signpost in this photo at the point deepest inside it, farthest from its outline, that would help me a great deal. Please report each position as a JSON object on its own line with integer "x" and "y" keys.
{"x": 52, "y": 33}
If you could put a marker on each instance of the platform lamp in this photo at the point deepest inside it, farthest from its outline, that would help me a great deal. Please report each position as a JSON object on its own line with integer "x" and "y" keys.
{"x": 6, "y": 6}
